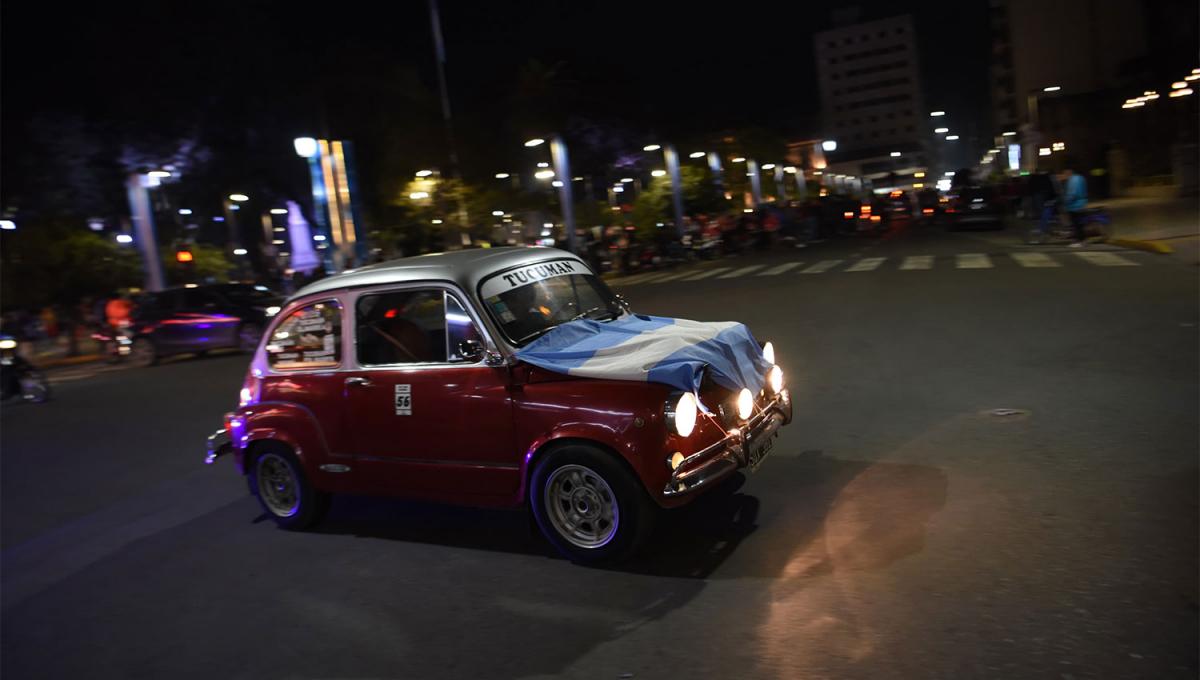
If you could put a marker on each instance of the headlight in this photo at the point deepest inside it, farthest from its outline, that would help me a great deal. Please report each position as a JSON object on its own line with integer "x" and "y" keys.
{"x": 775, "y": 379}
{"x": 8, "y": 344}
{"x": 769, "y": 352}
{"x": 681, "y": 413}
{"x": 745, "y": 404}
{"x": 271, "y": 311}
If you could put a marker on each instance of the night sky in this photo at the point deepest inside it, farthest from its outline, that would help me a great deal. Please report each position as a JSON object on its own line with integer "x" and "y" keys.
{"x": 252, "y": 75}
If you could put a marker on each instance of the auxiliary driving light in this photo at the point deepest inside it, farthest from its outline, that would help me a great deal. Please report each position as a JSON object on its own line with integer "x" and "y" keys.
{"x": 681, "y": 413}
{"x": 769, "y": 352}
{"x": 676, "y": 460}
{"x": 775, "y": 379}
{"x": 745, "y": 404}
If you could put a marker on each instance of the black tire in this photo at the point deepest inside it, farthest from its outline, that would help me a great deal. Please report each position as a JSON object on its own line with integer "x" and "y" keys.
{"x": 270, "y": 460}
{"x": 143, "y": 353}
{"x": 635, "y": 514}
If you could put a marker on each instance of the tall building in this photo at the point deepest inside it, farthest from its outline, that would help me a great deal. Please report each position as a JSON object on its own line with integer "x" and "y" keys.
{"x": 871, "y": 97}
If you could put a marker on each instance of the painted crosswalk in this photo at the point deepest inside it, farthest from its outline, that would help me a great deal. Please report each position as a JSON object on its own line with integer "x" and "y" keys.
{"x": 916, "y": 262}
{"x": 973, "y": 261}
{"x": 910, "y": 263}
{"x": 741, "y": 272}
{"x": 867, "y": 264}
{"x": 821, "y": 267}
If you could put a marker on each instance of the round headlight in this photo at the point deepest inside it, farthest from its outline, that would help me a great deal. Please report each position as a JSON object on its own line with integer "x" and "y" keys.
{"x": 775, "y": 379}
{"x": 745, "y": 404}
{"x": 769, "y": 352}
{"x": 681, "y": 414}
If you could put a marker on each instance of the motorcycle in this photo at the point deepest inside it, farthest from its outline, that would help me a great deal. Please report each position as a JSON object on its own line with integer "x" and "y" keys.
{"x": 18, "y": 377}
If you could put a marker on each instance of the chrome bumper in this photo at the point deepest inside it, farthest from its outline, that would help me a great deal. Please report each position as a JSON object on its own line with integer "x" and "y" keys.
{"x": 219, "y": 443}
{"x": 713, "y": 463}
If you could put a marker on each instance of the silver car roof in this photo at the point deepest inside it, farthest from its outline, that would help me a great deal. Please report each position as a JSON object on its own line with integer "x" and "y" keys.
{"x": 463, "y": 267}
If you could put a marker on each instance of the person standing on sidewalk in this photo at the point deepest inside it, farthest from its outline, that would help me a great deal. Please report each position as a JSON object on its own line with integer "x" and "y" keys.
{"x": 1074, "y": 201}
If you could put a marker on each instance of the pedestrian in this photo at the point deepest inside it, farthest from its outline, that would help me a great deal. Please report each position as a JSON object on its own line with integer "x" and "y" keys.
{"x": 1074, "y": 201}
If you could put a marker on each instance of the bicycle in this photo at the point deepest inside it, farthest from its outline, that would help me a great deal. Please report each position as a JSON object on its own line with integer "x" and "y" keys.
{"x": 1097, "y": 226}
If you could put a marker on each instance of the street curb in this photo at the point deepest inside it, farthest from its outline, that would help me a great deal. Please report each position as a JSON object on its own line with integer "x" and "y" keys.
{"x": 1136, "y": 244}
{"x": 69, "y": 361}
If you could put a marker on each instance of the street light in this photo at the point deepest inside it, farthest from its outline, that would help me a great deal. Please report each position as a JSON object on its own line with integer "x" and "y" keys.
{"x": 306, "y": 147}
{"x": 829, "y": 145}
{"x": 951, "y": 138}
{"x": 626, "y": 180}
{"x": 121, "y": 238}
{"x": 657, "y": 173}
{"x": 278, "y": 211}
{"x": 424, "y": 173}
{"x": 418, "y": 195}
{"x": 185, "y": 211}
{"x": 1009, "y": 133}
{"x": 895, "y": 154}
{"x": 941, "y": 130}
{"x": 544, "y": 174}
{"x": 537, "y": 141}
{"x": 502, "y": 175}
{"x": 739, "y": 159}
{"x": 239, "y": 251}
{"x": 768, "y": 166}
{"x": 696, "y": 154}
{"x": 936, "y": 114}
{"x": 651, "y": 147}
{"x": 9, "y": 225}
{"x": 239, "y": 197}
{"x": 158, "y": 174}
{"x": 1052, "y": 88}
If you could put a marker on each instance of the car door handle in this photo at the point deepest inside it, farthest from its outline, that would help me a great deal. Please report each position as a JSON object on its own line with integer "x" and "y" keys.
{"x": 358, "y": 382}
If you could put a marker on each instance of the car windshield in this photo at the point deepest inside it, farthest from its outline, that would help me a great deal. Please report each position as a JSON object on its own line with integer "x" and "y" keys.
{"x": 246, "y": 294}
{"x": 527, "y": 302}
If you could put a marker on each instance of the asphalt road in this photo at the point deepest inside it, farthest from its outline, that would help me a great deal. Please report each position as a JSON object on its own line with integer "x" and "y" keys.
{"x": 898, "y": 529}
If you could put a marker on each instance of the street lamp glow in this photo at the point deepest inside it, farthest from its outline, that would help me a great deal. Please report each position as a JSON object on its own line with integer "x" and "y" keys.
{"x": 239, "y": 251}
{"x": 895, "y": 154}
{"x": 790, "y": 169}
{"x": 544, "y": 174}
{"x": 769, "y": 166}
{"x": 651, "y": 147}
{"x": 941, "y": 130}
{"x": 739, "y": 159}
{"x": 829, "y": 145}
{"x": 1180, "y": 93}
{"x": 1044, "y": 151}
{"x": 318, "y": 237}
{"x": 306, "y": 147}
{"x": 1052, "y": 88}
{"x": 278, "y": 211}
{"x": 556, "y": 183}
{"x": 9, "y": 225}
{"x": 417, "y": 195}
{"x": 536, "y": 141}
{"x": 158, "y": 174}
{"x": 576, "y": 179}
{"x": 626, "y": 180}
{"x": 424, "y": 173}
{"x": 1009, "y": 133}
{"x": 1178, "y": 85}
{"x": 239, "y": 197}
{"x": 657, "y": 173}
{"x": 436, "y": 221}
{"x": 618, "y": 189}
{"x": 543, "y": 164}
{"x": 1194, "y": 76}
{"x": 936, "y": 114}
{"x": 697, "y": 154}
{"x": 121, "y": 238}
{"x": 498, "y": 213}
{"x": 951, "y": 138}
{"x": 502, "y": 175}
{"x": 185, "y": 211}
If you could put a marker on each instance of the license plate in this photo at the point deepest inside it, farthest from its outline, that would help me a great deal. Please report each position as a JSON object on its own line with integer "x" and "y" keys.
{"x": 759, "y": 452}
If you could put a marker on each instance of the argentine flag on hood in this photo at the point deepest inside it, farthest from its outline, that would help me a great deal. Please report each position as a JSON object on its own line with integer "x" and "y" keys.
{"x": 657, "y": 349}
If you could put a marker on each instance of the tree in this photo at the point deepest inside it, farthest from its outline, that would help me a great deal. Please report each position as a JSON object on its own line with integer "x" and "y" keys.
{"x": 58, "y": 265}
{"x": 209, "y": 264}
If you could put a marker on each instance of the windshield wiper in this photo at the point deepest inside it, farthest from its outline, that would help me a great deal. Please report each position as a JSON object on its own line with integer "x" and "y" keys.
{"x": 609, "y": 314}
{"x": 536, "y": 334}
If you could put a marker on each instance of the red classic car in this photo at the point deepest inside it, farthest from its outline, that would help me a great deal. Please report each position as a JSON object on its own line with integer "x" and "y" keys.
{"x": 406, "y": 378}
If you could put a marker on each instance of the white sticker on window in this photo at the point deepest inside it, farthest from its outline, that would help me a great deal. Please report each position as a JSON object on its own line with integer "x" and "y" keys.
{"x": 404, "y": 400}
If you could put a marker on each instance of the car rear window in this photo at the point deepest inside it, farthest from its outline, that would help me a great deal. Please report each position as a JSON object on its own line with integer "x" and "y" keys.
{"x": 310, "y": 337}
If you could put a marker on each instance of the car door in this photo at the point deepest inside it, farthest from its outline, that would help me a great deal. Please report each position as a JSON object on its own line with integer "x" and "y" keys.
{"x": 425, "y": 420}
{"x": 204, "y": 322}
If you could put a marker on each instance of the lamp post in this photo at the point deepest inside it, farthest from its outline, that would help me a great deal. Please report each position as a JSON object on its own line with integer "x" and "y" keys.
{"x": 1034, "y": 135}
{"x": 562, "y": 170}
{"x": 309, "y": 149}
{"x": 671, "y": 156}
{"x": 137, "y": 188}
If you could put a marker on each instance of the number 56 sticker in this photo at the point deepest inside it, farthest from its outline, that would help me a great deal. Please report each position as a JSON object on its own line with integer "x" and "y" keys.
{"x": 404, "y": 400}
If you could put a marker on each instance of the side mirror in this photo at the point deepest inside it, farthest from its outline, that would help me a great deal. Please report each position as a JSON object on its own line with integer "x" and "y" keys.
{"x": 471, "y": 350}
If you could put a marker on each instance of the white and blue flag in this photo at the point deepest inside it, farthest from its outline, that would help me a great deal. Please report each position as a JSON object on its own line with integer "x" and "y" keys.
{"x": 658, "y": 349}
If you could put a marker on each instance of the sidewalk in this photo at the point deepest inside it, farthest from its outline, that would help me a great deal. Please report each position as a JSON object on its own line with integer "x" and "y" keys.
{"x": 1174, "y": 221}
{"x": 53, "y": 353}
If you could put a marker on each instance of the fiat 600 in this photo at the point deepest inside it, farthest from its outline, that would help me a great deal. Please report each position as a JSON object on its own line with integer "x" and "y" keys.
{"x": 499, "y": 377}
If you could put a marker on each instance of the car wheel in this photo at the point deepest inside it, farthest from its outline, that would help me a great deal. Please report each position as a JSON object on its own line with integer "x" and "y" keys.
{"x": 589, "y": 506}
{"x": 143, "y": 353}
{"x": 248, "y": 336}
{"x": 278, "y": 481}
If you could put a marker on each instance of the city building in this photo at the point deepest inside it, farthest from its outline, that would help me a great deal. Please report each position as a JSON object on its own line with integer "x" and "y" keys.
{"x": 871, "y": 100}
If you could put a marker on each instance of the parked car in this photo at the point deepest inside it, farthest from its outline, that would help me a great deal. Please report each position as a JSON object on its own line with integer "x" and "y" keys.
{"x": 198, "y": 319}
{"x": 442, "y": 377}
{"x": 975, "y": 206}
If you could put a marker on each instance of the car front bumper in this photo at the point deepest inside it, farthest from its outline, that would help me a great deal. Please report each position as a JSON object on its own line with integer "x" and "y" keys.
{"x": 741, "y": 447}
{"x": 219, "y": 443}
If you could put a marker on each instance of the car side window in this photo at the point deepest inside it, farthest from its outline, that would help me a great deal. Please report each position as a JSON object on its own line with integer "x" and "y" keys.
{"x": 411, "y": 327}
{"x": 195, "y": 299}
{"x": 310, "y": 337}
